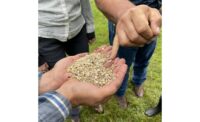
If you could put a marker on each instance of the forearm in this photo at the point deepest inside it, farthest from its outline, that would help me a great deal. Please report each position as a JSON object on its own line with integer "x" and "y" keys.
{"x": 113, "y": 9}
{"x": 53, "y": 107}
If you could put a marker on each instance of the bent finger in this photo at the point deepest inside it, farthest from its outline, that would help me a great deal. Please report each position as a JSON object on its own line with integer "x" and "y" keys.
{"x": 155, "y": 21}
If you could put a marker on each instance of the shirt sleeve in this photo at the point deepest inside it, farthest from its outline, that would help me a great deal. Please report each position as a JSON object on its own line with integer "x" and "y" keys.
{"x": 88, "y": 16}
{"x": 53, "y": 107}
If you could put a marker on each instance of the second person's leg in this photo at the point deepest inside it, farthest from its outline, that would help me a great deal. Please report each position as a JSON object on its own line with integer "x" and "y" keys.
{"x": 128, "y": 54}
{"x": 140, "y": 66}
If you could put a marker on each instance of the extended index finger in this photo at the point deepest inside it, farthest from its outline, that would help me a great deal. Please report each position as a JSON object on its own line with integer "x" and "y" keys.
{"x": 115, "y": 47}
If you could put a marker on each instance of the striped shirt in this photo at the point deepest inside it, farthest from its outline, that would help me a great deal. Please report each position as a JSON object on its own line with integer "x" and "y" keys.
{"x": 53, "y": 107}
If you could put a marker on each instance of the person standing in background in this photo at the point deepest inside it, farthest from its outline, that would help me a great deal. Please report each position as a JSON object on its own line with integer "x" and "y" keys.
{"x": 138, "y": 56}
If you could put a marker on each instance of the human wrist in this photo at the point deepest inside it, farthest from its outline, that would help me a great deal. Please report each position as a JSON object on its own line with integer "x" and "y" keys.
{"x": 110, "y": 12}
{"x": 123, "y": 7}
{"x": 45, "y": 83}
{"x": 66, "y": 92}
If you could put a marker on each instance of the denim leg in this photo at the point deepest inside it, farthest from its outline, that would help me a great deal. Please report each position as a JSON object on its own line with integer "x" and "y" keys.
{"x": 124, "y": 52}
{"x": 51, "y": 50}
{"x": 111, "y": 29}
{"x": 141, "y": 62}
{"x": 128, "y": 54}
{"x": 75, "y": 111}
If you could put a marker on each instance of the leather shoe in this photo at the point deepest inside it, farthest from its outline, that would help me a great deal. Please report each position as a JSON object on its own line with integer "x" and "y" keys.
{"x": 75, "y": 119}
{"x": 99, "y": 108}
{"x": 122, "y": 102}
{"x": 139, "y": 91}
{"x": 154, "y": 111}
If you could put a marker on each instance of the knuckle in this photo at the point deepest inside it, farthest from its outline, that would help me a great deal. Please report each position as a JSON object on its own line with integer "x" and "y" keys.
{"x": 123, "y": 19}
{"x": 142, "y": 29}
{"x": 133, "y": 11}
{"x": 119, "y": 26}
{"x": 124, "y": 43}
{"x": 160, "y": 19}
{"x": 156, "y": 14}
{"x": 143, "y": 7}
{"x": 134, "y": 37}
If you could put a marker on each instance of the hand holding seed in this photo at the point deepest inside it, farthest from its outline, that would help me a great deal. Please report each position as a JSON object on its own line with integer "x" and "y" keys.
{"x": 53, "y": 79}
{"x": 107, "y": 50}
{"x": 86, "y": 93}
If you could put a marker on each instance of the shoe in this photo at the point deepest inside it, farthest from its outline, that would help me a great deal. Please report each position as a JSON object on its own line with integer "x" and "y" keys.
{"x": 75, "y": 119}
{"x": 153, "y": 111}
{"x": 139, "y": 91}
{"x": 99, "y": 109}
{"x": 122, "y": 102}
{"x": 156, "y": 110}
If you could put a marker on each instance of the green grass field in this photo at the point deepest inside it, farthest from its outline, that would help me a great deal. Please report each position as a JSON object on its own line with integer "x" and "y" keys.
{"x": 137, "y": 106}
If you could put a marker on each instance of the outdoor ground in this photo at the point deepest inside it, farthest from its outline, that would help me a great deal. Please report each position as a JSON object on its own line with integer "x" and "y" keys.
{"x": 137, "y": 106}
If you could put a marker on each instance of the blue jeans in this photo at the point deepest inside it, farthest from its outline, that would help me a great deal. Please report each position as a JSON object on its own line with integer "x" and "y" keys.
{"x": 138, "y": 56}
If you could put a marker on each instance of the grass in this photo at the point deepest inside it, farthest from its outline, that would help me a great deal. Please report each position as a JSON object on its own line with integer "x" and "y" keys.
{"x": 137, "y": 106}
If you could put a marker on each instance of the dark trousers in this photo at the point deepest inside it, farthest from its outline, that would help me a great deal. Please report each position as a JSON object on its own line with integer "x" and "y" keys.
{"x": 52, "y": 50}
{"x": 138, "y": 56}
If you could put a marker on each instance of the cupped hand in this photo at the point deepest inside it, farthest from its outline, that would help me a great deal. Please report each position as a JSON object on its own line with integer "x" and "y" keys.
{"x": 107, "y": 50}
{"x": 82, "y": 93}
{"x": 53, "y": 79}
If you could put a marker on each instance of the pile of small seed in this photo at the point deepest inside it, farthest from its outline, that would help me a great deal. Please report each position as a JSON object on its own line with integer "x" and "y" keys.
{"x": 90, "y": 68}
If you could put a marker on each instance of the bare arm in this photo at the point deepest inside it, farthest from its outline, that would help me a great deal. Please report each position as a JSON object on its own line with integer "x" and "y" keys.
{"x": 113, "y": 9}
{"x": 135, "y": 25}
